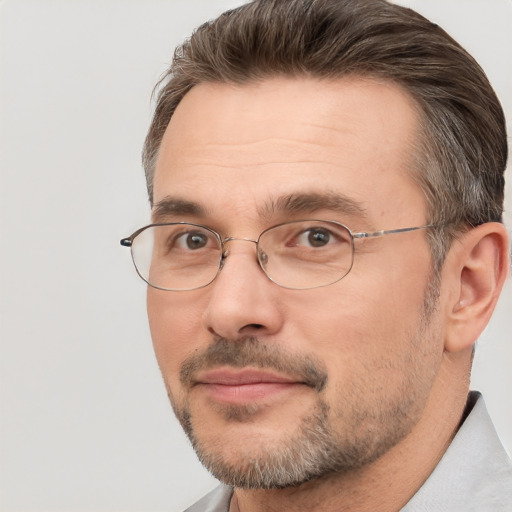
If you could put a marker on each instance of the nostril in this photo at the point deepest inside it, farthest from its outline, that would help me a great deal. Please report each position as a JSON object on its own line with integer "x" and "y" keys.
{"x": 254, "y": 327}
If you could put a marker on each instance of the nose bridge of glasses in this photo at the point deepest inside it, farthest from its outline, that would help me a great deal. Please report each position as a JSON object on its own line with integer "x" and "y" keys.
{"x": 235, "y": 239}
{"x": 225, "y": 252}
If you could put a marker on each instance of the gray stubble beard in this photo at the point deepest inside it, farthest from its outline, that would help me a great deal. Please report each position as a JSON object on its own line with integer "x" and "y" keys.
{"x": 313, "y": 453}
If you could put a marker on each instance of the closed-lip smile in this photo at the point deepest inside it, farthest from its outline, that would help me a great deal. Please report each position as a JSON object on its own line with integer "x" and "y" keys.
{"x": 243, "y": 386}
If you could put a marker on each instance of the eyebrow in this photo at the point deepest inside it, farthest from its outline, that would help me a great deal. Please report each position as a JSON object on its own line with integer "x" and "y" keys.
{"x": 311, "y": 202}
{"x": 174, "y": 207}
{"x": 295, "y": 203}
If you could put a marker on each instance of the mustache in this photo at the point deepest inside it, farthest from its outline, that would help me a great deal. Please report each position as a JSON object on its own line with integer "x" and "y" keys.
{"x": 251, "y": 351}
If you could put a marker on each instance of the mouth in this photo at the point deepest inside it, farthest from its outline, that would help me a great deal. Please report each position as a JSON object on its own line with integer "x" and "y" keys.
{"x": 244, "y": 386}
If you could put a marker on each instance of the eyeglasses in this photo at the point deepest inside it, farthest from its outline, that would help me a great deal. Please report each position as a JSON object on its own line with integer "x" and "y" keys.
{"x": 299, "y": 255}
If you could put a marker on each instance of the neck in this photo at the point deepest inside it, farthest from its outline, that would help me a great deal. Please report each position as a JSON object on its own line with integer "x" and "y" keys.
{"x": 390, "y": 482}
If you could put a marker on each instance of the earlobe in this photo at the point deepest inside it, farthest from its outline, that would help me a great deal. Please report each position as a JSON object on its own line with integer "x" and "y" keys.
{"x": 478, "y": 265}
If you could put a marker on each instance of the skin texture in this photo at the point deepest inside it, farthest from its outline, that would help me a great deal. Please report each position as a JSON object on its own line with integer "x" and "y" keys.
{"x": 389, "y": 350}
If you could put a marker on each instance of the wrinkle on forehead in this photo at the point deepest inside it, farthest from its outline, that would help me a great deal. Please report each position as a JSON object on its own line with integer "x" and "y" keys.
{"x": 256, "y": 148}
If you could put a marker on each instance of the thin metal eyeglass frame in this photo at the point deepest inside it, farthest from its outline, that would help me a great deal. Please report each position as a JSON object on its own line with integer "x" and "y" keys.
{"x": 128, "y": 242}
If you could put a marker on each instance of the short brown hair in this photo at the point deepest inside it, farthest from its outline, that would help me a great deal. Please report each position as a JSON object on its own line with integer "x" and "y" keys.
{"x": 462, "y": 153}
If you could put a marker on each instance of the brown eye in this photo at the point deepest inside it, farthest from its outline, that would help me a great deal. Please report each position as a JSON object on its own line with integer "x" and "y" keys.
{"x": 316, "y": 237}
{"x": 192, "y": 240}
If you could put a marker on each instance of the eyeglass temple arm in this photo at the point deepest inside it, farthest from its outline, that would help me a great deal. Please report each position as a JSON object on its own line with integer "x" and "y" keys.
{"x": 126, "y": 242}
{"x": 383, "y": 232}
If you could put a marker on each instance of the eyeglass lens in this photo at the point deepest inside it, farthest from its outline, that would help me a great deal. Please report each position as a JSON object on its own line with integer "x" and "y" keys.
{"x": 298, "y": 255}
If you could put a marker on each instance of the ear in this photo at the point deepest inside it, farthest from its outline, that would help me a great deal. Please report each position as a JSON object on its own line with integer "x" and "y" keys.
{"x": 476, "y": 268}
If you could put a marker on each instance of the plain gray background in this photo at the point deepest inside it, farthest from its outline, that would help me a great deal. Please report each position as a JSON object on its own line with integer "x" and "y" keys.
{"x": 85, "y": 422}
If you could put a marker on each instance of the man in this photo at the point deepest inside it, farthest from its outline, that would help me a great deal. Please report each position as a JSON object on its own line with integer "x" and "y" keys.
{"x": 326, "y": 182}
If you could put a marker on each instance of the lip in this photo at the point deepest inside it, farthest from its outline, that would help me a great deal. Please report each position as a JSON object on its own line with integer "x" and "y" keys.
{"x": 243, "y": 386}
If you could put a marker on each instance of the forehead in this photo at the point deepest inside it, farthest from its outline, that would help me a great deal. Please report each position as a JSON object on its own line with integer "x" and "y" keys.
{"x": 245, "y": 146}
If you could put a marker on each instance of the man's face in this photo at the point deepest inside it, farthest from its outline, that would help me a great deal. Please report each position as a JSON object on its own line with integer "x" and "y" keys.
{"x": 277, "y": 386}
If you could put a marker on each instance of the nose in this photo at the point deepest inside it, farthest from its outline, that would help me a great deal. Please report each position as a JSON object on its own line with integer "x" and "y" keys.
{"x": 243, "y": 301}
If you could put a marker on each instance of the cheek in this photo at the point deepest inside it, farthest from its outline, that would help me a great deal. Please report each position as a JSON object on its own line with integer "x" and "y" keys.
{"x": 356, "y": 314}
{"x": 377, "y": 353}
{"x": 175, "y": 324}
{"x": 364, "y": 323}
